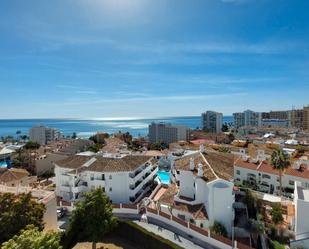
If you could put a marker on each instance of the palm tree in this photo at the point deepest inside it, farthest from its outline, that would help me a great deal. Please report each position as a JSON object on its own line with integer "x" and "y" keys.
{"x": 256, "y": 227}
{"x": 280, "y": 162}
{"x": 18, "y": 134}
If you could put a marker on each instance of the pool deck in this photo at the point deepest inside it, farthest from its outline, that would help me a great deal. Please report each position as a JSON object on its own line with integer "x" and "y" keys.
{"x": 160, "y": 192}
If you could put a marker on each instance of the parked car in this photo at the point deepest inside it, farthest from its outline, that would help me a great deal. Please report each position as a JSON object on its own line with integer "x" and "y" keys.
{"x": 61, "y": 212}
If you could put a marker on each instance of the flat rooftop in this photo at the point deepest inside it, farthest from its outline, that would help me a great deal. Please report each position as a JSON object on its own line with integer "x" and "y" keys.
{"x": 303, "y": 194}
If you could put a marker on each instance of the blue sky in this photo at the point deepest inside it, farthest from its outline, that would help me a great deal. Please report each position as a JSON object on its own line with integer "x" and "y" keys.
{"x": 140, "y": 58}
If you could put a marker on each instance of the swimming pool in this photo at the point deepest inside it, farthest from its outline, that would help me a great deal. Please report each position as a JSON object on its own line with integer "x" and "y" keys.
{"x": 3, "y": 164}
{"x": 164, "y": 176}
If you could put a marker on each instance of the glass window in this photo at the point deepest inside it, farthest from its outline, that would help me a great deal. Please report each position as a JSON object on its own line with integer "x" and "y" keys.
{"x": 110, "y": 189}
{"x": 110, "y": 177}
{"x": 238, "y": 172}
{"x": 291, "y": 182}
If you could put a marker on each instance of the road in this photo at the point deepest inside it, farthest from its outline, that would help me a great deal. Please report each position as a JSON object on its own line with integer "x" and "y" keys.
{"x": 168, "y": 232}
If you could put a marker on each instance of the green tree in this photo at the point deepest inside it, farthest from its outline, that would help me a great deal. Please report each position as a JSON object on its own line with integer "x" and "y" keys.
{"x": 95, "y": 147}
{"x": 18, "y": 211}
{"x": 32, "y": 238}
{"x": 276, "y": 214}
{"x": 18, "y": 134}
{"x": 74, "y": 135}
{"x": 280, "y": 162}
{"x": 24, "y": 137}
{"x": 91, "y": 219}
{"x": 219, "y": 229}
{"x": 32, "y": 145}
{"x": 257, "y": 227}
{"x": 225, "y": 127}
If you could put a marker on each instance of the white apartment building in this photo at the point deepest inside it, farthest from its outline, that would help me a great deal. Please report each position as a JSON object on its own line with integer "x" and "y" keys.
{"x": 260, "y": 173}
{"x": 201, "y": 190}
{"x": 247, "y": 118}
{"x": 212, "y": 121}
{"x": 42, "y": 134}
{"x": 164, "y": 132}
{"x": 124, "y": 179}
{"x": 301, "y": 202}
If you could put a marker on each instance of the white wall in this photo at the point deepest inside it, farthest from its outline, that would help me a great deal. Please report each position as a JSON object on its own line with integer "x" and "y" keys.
{"x": 220, "y": 203}
{"x": 186, "y": 186}
{"x": 201, "y": 190}
{"x": 301, "y": 212}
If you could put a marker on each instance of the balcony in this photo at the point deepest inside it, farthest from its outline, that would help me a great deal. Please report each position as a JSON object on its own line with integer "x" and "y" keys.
{"x": 136, "y": 196}
{"x": 98, "y": 182}
{"x": 80, "y": 186}
{"x": 79, "y": 189}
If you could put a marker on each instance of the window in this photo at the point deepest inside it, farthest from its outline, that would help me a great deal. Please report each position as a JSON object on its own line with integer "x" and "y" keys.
{"x": 291, "y": 182}
{"x": 110, "y": 177}
{"x": 103, "y": 177}
{"x": 277, "y": 179}
{"x": 201, "y": 225}
{"x": 110, "y": 189}
{"x": 266, "y": 176}
{"x": 238, "y": 172}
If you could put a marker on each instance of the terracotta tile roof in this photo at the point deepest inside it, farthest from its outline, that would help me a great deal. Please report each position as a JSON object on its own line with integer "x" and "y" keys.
{"x": 73, "y": 162}
{"x": 302, "y": 172}
{"x": 221, "y": 163}
{"x": 198, "y": 211}
{"x": 183, "y": 163}
{"x": 104, "y": 164}
{"x": 259, "y": 166}
{"x": 13, "y": 175}
{"x": 127, "y": 163}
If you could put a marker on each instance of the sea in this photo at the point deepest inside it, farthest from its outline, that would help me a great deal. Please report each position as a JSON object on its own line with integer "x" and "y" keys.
{"x": 86, "y": 128}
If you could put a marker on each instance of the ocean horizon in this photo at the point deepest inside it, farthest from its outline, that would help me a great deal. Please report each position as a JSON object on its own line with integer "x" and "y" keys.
{"x": 84, "y": 128}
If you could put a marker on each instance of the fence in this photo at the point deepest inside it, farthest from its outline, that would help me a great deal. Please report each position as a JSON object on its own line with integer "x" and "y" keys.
{"x": 187, "y": 227}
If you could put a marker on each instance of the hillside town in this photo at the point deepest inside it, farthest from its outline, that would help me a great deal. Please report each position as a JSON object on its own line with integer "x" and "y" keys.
{"x": 241, "y": 185}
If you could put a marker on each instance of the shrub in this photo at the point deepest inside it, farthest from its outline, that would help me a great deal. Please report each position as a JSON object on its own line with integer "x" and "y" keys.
{"x": 276, "y": 214}
{"x": 219, "y": 229}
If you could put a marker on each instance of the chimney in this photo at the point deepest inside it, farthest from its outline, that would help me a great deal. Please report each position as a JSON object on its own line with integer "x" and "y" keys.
{"x": 200, "y": 171}
{"x": 192, "y": 166}
{"x": 261, "y": 155}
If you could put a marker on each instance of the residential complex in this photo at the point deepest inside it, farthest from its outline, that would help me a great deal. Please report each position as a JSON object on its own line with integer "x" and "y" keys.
{"x": 212, "y": 121}
{"x": 124, "y": 179}
{"x": 202, "y": 185}
{"x": 285, "y": 115}
{"x": 258, "y": 172}
{"x": 43, "y": 135}
{"x": 300, "y": 118}
{"x": 295, "y": 118}
{"x": 247, "y": 118}
{"x": 167, "y": 133}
